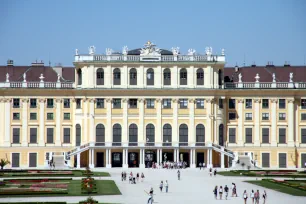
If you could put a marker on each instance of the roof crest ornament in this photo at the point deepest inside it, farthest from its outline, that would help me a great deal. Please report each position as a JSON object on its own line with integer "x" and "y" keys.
{"x": 150, "y": 49}
{"x": 291, "y": 77}
{"x": 208, "y": 51}
{"x": 175, "y": 50}
{"x": 41, "y": 78}
{"x": 92, "y": 50}
{"x": 125, "y": 50}
{"x": 109, "y": 51}
{"x": 191, "y": 52}
{"x": 7, "y": 77}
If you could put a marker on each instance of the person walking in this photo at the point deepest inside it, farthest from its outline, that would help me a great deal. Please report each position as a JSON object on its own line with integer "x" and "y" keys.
{"x": 235, "y": 190}
{"x": 122, "y": 176}
{"x": 142, "y": 177}
{"x": 226, "y": 192}
{"x": 178, "y": 175}
{"x": 264, "y": 196}
{"x": 203, "y": 165}
{"x": 166, "y": 186}
{"x": 210, "y": 171}
{"x": 200, "y": 165}
{"x": 245, "y": 196}
{"x": 161, "y": 185}
{"x": 257, "y": 196}
{"x": 215, "y": 172}
{"x": 150, "y": 200}
{"x": 137, "y": 177}
{"x": 252, "y": 196}
{"x": 216, "y": 192}
{"x": 220, "y": 192}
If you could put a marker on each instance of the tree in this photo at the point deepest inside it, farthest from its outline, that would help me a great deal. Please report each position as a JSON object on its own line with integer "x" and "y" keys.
{"x": 3, "y": 163}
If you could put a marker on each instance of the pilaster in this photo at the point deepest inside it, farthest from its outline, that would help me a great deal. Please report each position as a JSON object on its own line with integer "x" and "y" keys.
{"x": 209, "y": 118}
{"x": 191, "y": 138}
{"x": 125, "y": 121}
{"x": 25, "y": 122}
{"x": 175, "y": 138}
{"x": 109, "y": 131}
{"x": 58, "y": 122}
{"x": 240, "y": 141}
{"x": 257, "y": 122}
{"x": 273, "y": 122}
{"x": 7, "y": 122}
{"x": 91, "y": 120}
{"x": 291, "y": 122}
{"x": 41, "y": 122}
{"x": 158, "y": 137}
{"x": 85, "y": 138}
{"x": 141, "y": 121}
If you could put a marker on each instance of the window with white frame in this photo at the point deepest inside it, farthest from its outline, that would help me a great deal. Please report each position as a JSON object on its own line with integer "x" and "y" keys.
{"x": 248, "y": 103}
{"x": 183, "y": 103}
{"x": 265, "y": 116}
{"x": 248, "y": 116}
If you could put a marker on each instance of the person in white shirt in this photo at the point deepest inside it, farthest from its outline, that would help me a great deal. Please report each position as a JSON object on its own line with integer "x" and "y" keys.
{"x": 252, "y": 196}
{"x": 220, "y": 192}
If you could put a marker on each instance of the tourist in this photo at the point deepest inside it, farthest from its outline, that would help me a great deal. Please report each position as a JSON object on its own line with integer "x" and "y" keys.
{"x": 122, "y": 176}
{"x": 226, "y": 192}
{"x": 161, "y": 186}
{"x": 235, "y": 191}
{"x": 210, "y": 171}
{"x": 137, "y": 176}
{"x": 200, "y": 165}
{"x": 220, "y": 192}
{"x": 150, "y": 200}
{"x": 233, "y": 186}
{"x": 142, "y": 177}
{"x": 252, "y": 196}
{"x": 203, "y": 165}
{"x": 245, "y": 196}
{"x": 257, "y": 196}
{"x": 264, "y": 196}
{"x": 166, "y": 186}
{"x": 216, "y": 192}
{"x": 215, "y": 172}
{"x": 178, "y": 174}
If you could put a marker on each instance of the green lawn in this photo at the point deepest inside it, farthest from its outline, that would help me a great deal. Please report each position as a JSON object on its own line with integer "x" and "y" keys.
{"x": 76, "y": 173}
{"x": 279, "y": 187}
{"x": 253, "y": 174}
{"x": 228, "y": 173}
{"x": 104, "y": 187}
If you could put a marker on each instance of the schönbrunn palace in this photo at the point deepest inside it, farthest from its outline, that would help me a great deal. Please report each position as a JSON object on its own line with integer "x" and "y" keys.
{"x": 135, "y": 107}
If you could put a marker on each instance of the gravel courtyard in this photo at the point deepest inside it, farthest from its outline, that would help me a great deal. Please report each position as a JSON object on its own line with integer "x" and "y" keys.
{"x": 194, "y": 187}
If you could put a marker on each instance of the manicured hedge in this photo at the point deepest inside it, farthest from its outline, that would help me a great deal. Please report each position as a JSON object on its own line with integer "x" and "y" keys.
{"x": 32, "y": 192}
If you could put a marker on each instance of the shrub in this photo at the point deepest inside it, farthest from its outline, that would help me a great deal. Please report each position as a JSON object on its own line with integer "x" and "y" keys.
{"x": 3, "y": 163}
{"x": 89, "y": 200}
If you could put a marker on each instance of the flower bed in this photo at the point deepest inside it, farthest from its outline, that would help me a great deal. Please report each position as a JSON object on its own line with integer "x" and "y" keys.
{"x": 88, "y": 186}
{"x": 286, "y": 183}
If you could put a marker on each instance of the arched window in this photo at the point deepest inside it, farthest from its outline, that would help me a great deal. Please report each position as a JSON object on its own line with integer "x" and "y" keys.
{"x": 79, "y": 72}
{"x": 100, "y": 76}
{"x": 133, "y": 76}
{"x": 221, "y": 135}
{"x": 100, "y": 135}
{"x": 78, "y": 135}
{"x": 117, "y": 76}
{"x": 167, "y": 135}
{"x": 167, "y": 77}
{"x": 183, "y": 76}
{"x": 220, "y": 76}
{"x": 150, "y": 77}
{"x": 117, "y": 132}
{"x": 150, "y": 135}
{"x": 183, "y": 135}
{"x": 133, "y": 135}
{"x": 200, "y": 77}
{"x": 200, "y": 135}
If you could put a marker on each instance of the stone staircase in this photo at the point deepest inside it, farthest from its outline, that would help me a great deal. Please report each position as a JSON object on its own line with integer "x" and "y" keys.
{"x": 59, "y": 162}
{"x": 245, "y": 163}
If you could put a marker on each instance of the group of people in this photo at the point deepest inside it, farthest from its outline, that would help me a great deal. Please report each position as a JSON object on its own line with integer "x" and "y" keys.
{"x": 51, "y": 164}
{"x": 169, "y": 165}
{"x": 211, "y": 172}
{"x": 255, "y": 196}
{"x": 225, "y": 190}
{"x": 132, "y": 178}
{"x": 162, "y": 184}
{"x": 202, "y": 165}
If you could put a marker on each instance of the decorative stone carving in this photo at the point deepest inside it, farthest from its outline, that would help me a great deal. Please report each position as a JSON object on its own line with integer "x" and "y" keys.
{"x": 92, "y": 100}
{"x": 240, "y": 100}
{"x": 291, "y": 77}
{"x": 158, "y": 100}
{"x": 58, "y": 78}
{"x": 256, "y": 100}
{"x": 209, "y": 100}
{"x": 41, "y": 78}
{"x": 124, "y": 100}
{"x": 240, "y": 77}
{"x": 274, "y": 100}
{"x": 73, "y": 100}
{"x": 7, "y": 77}
{"x": 125, "y": 50}
{"x": 192, "y": 100}
{"x": 84, "y": 100}
{"x": 92, "y": 50}
{"x": 290, "y": 100}
{"x": 257, "y": 77}
{"x": 41, "y": 100}
{"x": 109, "y": 51}
{"x": 24, "y": 77}
{"x": 8, "y": 100}
{"x": 108, "y": 100}
{"x": 140, "y": 100}
{"x": 208, "y": 50}
{"x": 191, "y": 52}
{"x": 175, "y": 50}
{"x": 76, "y": 52}
{"x": 150, "y": 49}
{"x": 24, "y": 100}
{"x": 223, "y": 52}
{"x": 58, "y": 100}
{"x": 273, "y": 78}
{"x": 174, "y": 100}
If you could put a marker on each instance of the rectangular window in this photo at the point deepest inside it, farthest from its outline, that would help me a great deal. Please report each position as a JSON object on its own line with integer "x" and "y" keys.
{"x": 183, "y": 103}
{"x": 303, "y": 135}
{"x": 16, "y": 103}
{"x": 150, "y": 103}
{"x": 248, "y": 135}
{"x": 282, "y": 116}
{"x": 78, "y": 103}
{"x": 66, "y": 135}
{"x": 15, "y": 160}
{"x": 116, "y": 103}
{"x": 232, "y": 135}
{"x": 100, "y": 103}
{"x": 166, "y": 103}
{"x": 33, "y": 103}
{"x": 265, "y": 103}
{"x": 282, "y": 160}
{"x": 133, "y": 103}
{"x": 50, "y": 116}
{"x": 32, "y": 159}
{"x": 66, "y": 116}
{"x": 265, "y": 160}
{"x": 232, "y": 116}
{"x": 265, "y": 116}
{"x": 33, "y": 116}
{"x": 265, "y": 135}
{"x": 16, "y": 116}
{"x": 282, "y": 103}
{"x": 66, "y": 103}
{"x": 248, "y": 103}
{"x": 50, "y": 132}
{"x": 231, "y": 103}
{"x": 33, "y": 135}
{"x": 282, "y": 135}
{"x": 303, "y": 103}
{"x": 200, "y": 103}
{"x": 303, "y": 116}
{"x": 16, "y": 135}
{"x": 220, "y": 103}
{"x": 248, "y": 116}
{"x": 50, "y": 103}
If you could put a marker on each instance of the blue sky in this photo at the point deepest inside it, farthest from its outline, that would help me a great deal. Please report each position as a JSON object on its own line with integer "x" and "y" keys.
{"x": 257, "y": 31}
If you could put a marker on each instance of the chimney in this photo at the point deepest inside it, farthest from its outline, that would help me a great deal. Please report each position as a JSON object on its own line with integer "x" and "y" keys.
{"x": 287, "y": 64}
{"x": 253, "y": 64}
{"x": 38, "y": 64}
{"x": 236, "y": 68}
{"x": 270, "y": 64}
{"x": 10, "y": 62}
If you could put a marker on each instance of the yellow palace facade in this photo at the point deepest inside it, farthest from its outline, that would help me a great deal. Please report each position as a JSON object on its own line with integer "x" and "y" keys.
{"x": 136, "y": 107}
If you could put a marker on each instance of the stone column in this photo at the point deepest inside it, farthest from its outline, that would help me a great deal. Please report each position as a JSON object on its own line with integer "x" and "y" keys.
{"x": 109, "y": 128}
{"x": 140, "y": 159}
{"x": 42, "y": 116}
{"x": 106, "y": 158}
{"x": 85, "y": 131}
{"x": 191, "y": 137}
{"x": 91, "y": 120}
{"x": 191, "y": 158}
{"x": 240, "y": 141}
{"x": 273, "y": 122}
{"x": 157, "y": 154}
{"x": 215, "y": 121}
{"x": 211, "y": 158}
{"x": 209, "y": 117}
{"x": 160, "y": 155}
{"x": 175, "y": 138}
{"x": 257, "y": 122}
{"x": 58, "y": 138}
{"x": 143, "y": 159}
{"x": 123, "y": 157}
{"x": 291, "y": 122}
{"x": 89, "y": 158}
{"x": 126, "y": 158}
{"x": 194, "y": 158}
{"x": 222, "y": 158}
{"x": 7, "y": 122}
{"x": 24, "y": 122}
{"x": 141, "y": 138}
{"x": 158, "y": 137}
{"x": 207, "y": 159}
{"x": 110, "y": 158}
{"x": 78, "y": 160}
{"x": 125, "y": 122}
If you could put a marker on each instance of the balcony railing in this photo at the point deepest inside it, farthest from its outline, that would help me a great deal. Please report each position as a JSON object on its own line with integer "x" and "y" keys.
{"x": 37, "y": 85}
{"x": 265, "y": 85}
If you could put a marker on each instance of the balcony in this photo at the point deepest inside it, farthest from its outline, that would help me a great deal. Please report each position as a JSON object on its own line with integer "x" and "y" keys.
{"x": 265, "y": 85}
{"x": 37, "y": 85}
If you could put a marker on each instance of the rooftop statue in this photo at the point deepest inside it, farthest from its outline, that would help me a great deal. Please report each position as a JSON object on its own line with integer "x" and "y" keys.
{"x": 125, "y": 50}
{"x": 150, "y": 49}
{"x": 240, "y": 77}
{"x": 24, "y": 77}
{"x": 92, "y": 50}
{"x": 257, "y": 77}
{"x": 41, "y": 78}
{"x": 273, "y": 78}
{"x": 109, "y": 51}
{"x": 7, "y": 77}
{"x": 58, "y": 77}
{"x": 76, "y": 52}
{"x": 223, "y": 51}
{"x": 175, "y": 50}
{"x": 191, "y": 51}
{"x": 208, "y": 50}
{"x": 291, "y": 77}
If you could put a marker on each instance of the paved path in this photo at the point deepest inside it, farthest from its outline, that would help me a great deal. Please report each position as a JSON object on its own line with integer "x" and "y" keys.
{"x": 195, "y": 187}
